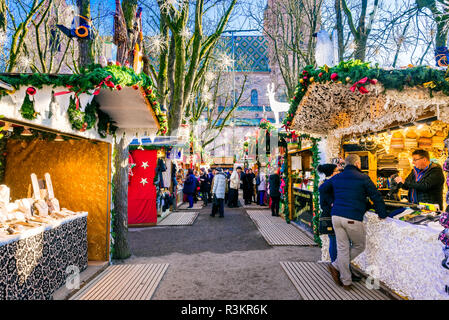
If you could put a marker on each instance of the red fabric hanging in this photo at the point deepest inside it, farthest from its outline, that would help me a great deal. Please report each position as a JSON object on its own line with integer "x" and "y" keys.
{"x": 141, "y": 189}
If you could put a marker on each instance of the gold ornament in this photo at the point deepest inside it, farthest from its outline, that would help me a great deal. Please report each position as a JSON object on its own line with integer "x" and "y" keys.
{"x": 312, "y": 79}
{"x": 301, "y": 81}
{"x": 348, "y": 79}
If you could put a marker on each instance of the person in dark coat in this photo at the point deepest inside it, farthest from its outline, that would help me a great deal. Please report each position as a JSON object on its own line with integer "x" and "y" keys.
{"x": 190, "y": 184}
{"x": 329, "y": 170}
{"x": 349, "y": 190}
{"x": 205, "y": 184}
{"x": 425, "y": 182}
{"x": 210, "y": 175}
{"x": 246, "y": 186}
{"x": 274, "y": 182}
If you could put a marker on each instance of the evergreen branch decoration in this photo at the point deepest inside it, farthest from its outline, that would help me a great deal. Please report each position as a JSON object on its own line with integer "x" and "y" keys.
{"x": 352, "y": 71}
{"x": 88, "y": 81}
{"x": 27, "y": 109}
{"x": 291, "y": 135}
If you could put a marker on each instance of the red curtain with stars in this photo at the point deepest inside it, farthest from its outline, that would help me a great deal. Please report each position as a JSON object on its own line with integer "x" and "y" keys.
{"x": 141, "y": 190}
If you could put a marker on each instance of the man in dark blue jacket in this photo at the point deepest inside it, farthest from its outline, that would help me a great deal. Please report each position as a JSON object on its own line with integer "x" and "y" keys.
{"x": 349, "y": 191}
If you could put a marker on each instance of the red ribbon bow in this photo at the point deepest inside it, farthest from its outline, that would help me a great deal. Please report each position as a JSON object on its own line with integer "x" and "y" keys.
{"x": 362, "y": 81}
{"x": 106, "y": 81}
{"x": 66, "y": 92}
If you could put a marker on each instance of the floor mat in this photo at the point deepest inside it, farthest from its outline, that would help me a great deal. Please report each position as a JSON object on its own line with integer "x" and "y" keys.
{"x": 124, "y": 282}
{"x": 277, "y": 232}
{"x": 185, "y": 218}
{"x": 314, "y": 282}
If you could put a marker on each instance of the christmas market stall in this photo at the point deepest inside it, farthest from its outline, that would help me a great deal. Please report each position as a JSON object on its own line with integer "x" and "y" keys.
{"x": 381, "y": 115}
{"x": 56, "y": 169}
{"x": 298, "y": 156}
{"x": 152, "y": 186}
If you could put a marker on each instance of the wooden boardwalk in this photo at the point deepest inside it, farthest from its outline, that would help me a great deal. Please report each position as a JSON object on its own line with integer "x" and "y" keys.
{"x": 277, "y": 232}
{"x": 186, "y": 218}
{"x": 314, "y": 282}
{"x": 124, "y": 282}
{"x": 196, "y": 206}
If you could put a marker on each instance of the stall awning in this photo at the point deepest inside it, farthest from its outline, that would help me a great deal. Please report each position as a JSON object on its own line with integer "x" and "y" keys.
{"x": 128, "y": 108}
{"x": 333, "y": 107}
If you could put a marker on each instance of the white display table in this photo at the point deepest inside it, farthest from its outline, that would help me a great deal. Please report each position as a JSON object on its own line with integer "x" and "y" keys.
{"x": 405, "y": 257}
{"x": 34, "y": 264}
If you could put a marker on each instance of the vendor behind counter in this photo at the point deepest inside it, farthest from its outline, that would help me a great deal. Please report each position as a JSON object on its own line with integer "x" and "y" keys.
{"x": 425, "y": 182}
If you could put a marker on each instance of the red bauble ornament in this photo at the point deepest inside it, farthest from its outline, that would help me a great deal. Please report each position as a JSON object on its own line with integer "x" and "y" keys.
{"x": 135, "y": 87}
{"x": 31, "y": 91}
{"x": 84, "y": 127}
{"x": 118, "y": 87}
{"x": 320, "y": 74}
{"x": 334, "y": 76}
{"x": 304, "y": 72}
{"x": 117, "y": 63}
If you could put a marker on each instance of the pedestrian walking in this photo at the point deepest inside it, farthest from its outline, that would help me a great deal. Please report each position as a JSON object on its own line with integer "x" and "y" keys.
{"x": 261, "y": 188}
{"x": 210, "y": 175}
{"x": 228, "y": 182}
{"x": 218, "y": 193}
{"x": 252, "y": 188}
{"x": 349, "y": 190}
{"x": 234, "y": 185}
{"x": 329, "y": 170}
{"x": 189, "y": 188}
{"x": 246, "y": 186}
{"x": 274, "y": 183}
{"x": 205, "y": 185}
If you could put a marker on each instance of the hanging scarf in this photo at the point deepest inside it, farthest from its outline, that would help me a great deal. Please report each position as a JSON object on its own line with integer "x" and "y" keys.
{"x": 418, "y": 175}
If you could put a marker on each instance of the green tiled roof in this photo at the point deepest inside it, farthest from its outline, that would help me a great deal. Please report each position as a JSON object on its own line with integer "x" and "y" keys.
{"x": 250, "y": 52}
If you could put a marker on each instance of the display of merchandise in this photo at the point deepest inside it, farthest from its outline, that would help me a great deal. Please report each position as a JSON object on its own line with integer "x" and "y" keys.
{"x": 24, "y": 214}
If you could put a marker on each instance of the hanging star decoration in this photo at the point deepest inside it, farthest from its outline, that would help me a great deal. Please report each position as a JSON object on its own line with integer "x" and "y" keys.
{"x": 145, "y": 164}
{"x": 143, "y": 181}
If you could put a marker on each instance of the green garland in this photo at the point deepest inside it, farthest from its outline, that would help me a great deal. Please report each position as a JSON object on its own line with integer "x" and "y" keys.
{"x": 87, "y": 80}
{"x": 315, "y": 163}
{"x": 27, "y": 109}
{"x": 349, "y": 72}
{"x": 150, "y": 147}
{"x": 2, "y": 157}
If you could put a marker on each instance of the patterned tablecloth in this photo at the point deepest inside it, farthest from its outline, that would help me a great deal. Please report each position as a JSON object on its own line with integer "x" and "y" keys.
{"x": 404, "y": 256}
{"x": 33, "y": 264}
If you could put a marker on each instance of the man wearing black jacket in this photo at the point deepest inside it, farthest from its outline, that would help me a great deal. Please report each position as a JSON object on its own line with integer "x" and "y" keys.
{"x": 425, "y": 182}
{"x": 349, "y": 190}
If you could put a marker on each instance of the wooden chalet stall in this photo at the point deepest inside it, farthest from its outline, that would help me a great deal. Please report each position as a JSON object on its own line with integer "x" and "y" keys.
{"x": 383, "y": 115}
{"x": 56, "y": 169}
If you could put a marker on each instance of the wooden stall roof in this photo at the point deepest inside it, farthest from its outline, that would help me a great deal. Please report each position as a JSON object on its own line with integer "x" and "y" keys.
{"x": 333, "y": 106}
{"x": 128, "y": 108}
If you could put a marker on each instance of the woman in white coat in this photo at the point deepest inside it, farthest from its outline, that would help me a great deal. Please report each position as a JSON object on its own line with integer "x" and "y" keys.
{"x": 218, "y": 191}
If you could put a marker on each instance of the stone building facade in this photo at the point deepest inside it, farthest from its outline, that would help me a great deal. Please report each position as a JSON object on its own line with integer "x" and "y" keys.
{"x": 250, "y": 57}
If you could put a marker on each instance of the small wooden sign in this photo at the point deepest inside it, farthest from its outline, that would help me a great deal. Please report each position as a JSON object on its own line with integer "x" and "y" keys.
{"x": 35, "y": 184}
{"x": 51, "y": 194}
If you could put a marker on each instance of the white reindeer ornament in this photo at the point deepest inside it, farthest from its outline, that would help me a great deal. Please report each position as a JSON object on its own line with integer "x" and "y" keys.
{"x": 276, "y": 106}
